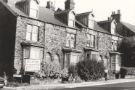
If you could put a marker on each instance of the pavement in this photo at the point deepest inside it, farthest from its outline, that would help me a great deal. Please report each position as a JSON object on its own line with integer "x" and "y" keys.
{"x": 71, "y": 85}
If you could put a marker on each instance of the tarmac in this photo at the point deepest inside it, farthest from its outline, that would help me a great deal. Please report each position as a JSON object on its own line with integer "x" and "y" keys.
{"x": 71, "y": 85}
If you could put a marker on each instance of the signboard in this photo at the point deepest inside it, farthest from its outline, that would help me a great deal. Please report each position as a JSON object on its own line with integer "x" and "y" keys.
{"x": 32, "y": 65}
{"x": 74, "y": 58}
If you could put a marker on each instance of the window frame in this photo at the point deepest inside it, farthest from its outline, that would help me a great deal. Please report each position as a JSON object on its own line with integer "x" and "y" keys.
{"x": 30, "y": 49}
{"x": 89, "y": 40}
{"x": 70, "y": 40}
{"x": 114, "y": 45}
{"x": 32, "y": 33}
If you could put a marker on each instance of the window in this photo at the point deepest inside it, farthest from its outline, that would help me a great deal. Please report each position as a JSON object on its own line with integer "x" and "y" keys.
{"x": 70, "y": 40}
{"x": 32, "y": 33}
{"x": 114, "y": 45}
{"x": 33, "y": 53}
{"x": 90, "y": 40}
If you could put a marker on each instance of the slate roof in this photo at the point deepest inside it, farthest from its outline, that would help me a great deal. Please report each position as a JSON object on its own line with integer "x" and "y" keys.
{"x": 81, "y": 14}
{"x": 98, "y": 28}
{"x": 47, "y": 15}
{"x": 129, "y": 26}
{"x": 13, "y": 9}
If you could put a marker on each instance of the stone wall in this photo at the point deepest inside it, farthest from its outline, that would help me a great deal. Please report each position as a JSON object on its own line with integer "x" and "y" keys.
{"x": 55, "y": 40}
{"x": 21, "y": 39}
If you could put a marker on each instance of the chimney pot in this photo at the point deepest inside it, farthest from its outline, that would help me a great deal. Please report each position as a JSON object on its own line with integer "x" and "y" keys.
{"x": 50, "y": 5}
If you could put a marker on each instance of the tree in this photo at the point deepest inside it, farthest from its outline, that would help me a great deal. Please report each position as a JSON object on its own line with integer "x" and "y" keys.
{"x": 127, "y": 47}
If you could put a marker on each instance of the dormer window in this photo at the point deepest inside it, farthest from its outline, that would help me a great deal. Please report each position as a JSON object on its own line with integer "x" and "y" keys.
{"x": 71, "y": 23}
{"x": 71, "y": 19}
{"x": 33, "y": 9}
{"x": 91, "y": 21}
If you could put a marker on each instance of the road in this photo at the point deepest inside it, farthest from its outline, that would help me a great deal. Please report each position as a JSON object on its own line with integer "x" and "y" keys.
{"x": 120, "y": 86}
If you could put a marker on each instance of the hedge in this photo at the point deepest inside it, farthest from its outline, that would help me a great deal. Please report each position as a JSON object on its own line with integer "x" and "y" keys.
{"x": 127, "y": 70}
{"x": 90, "y": 70}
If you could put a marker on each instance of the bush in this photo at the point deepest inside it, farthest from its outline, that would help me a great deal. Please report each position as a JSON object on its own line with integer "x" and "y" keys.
{"x": 64, "y": 73}
{"x": 90, "y": 70}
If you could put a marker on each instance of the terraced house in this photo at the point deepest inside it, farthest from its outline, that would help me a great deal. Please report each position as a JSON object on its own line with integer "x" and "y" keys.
{"x": 31, "y": 34}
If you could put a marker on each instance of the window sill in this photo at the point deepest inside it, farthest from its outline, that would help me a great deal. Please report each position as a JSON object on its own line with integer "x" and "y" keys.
{"x": 90, "y": 49}
{"x": 115, "y": 52}
{"x": 71, "y": 50}
{"x": 32, "y": 44}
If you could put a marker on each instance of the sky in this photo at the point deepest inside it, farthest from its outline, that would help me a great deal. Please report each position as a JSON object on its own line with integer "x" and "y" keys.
{"x": 102, "y": 9}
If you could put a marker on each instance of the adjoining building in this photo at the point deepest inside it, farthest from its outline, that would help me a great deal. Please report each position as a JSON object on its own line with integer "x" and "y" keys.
{"x": 31, "y": 34}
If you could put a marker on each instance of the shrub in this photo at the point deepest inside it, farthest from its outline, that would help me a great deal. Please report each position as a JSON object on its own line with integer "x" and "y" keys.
{"x": 90, "y": 70}
{"x": 64, "y": 73}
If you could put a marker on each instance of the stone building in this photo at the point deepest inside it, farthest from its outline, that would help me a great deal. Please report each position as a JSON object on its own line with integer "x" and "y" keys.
{"x": 31, "y": 34}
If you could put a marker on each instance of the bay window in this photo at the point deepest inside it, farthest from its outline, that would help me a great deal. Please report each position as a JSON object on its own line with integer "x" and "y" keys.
{"x": 33, "y": 53}
{"x": 32, "y": 57}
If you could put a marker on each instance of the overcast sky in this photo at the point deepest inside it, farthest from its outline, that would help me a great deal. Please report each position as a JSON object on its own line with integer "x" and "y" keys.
{"x": 102, "y": 8}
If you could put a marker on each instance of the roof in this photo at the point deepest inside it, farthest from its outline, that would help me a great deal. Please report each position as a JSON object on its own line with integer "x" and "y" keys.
{"x": 80, "y": 24}
{"x": 86, "y": 13}
{"x": 98, "y": 28}
{"x": 43, "y": 16}
{"x": 62, "y": 11}
{"x": 13, "y": 9}
{"x": 47, "y": 15}
{"x": 129, "y": 26}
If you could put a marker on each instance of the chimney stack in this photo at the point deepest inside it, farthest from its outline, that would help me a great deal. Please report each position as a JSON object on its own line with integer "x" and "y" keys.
{"x": 69, "y": 5}
{"x": 50, "y": 5}
{"x": 116, "y": 16}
